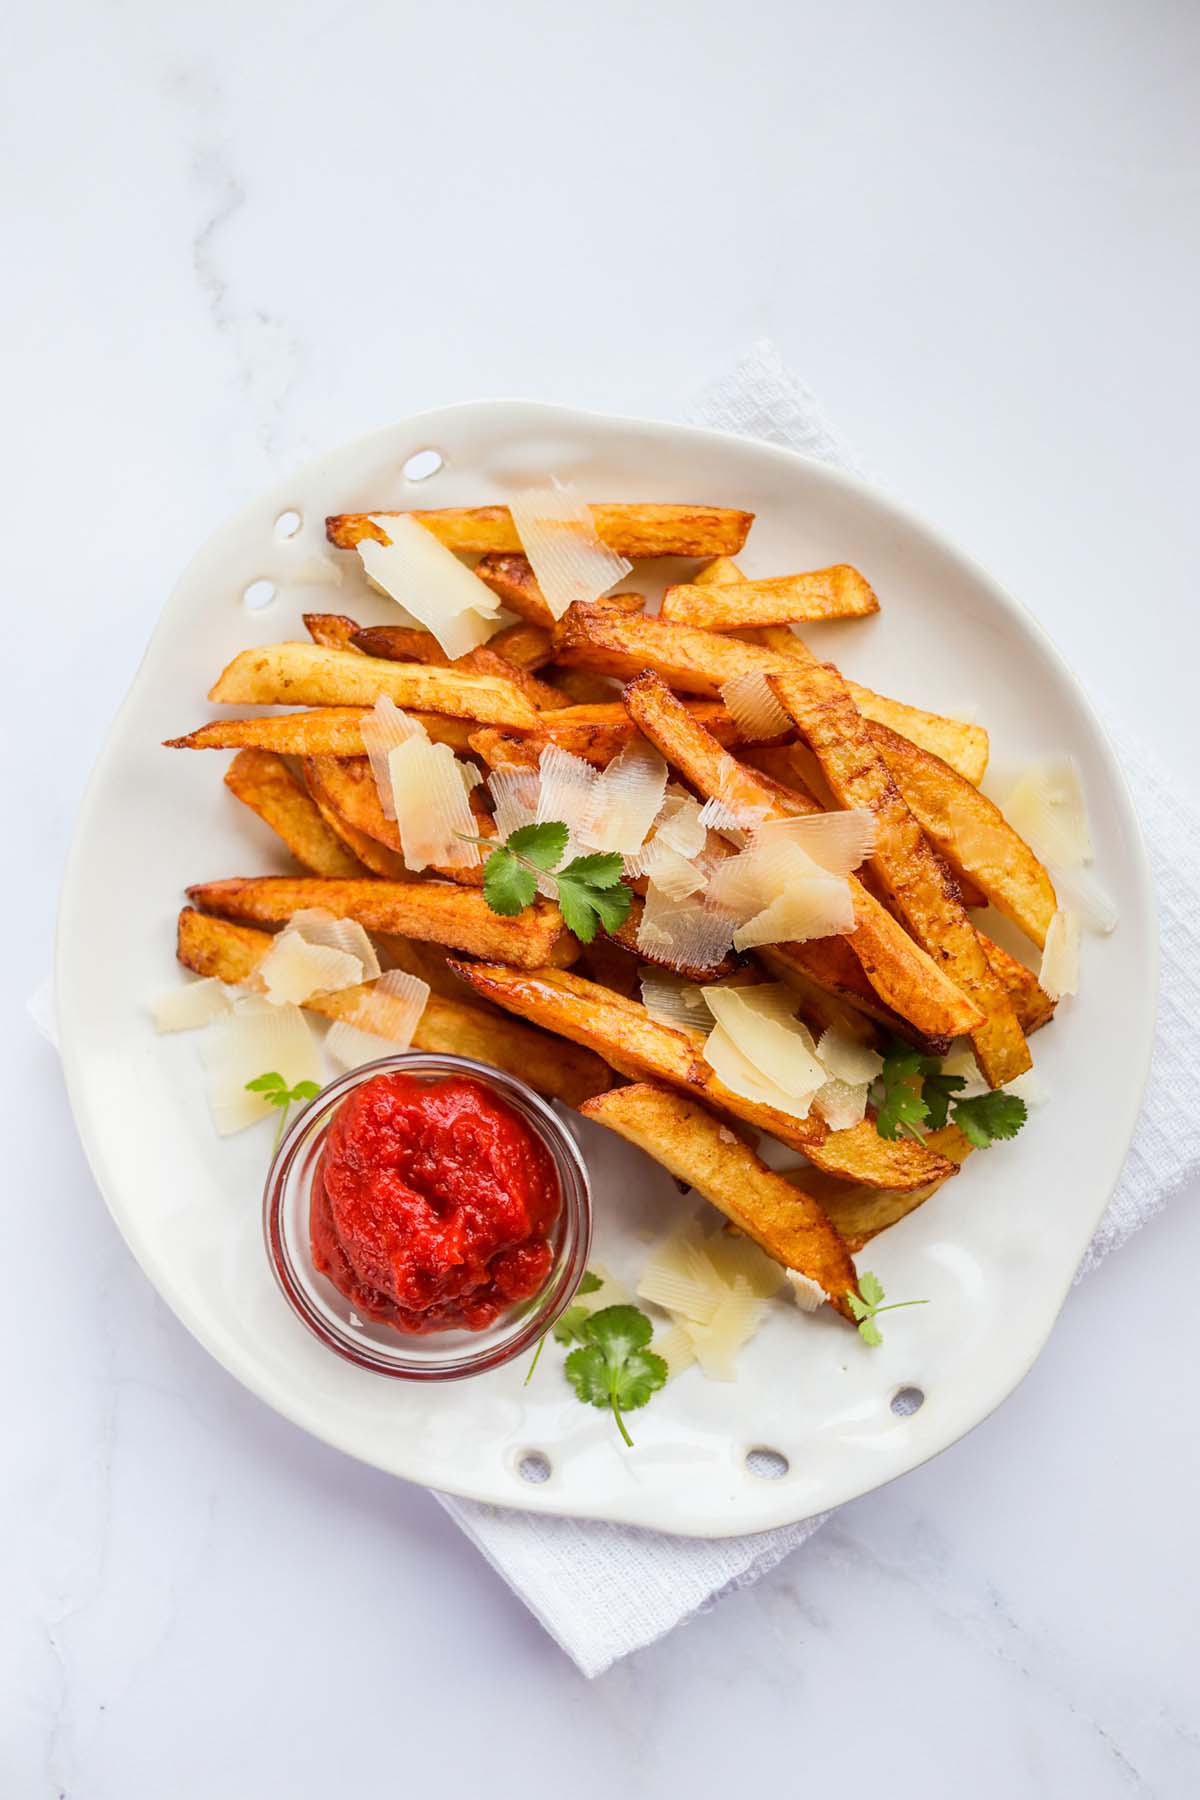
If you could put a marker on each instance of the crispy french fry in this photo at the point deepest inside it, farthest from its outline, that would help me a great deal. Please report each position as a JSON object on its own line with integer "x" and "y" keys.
{"x": 839, "y": 592}
{"x": 347, "y": 785}
{"x": 1030, "y": 1001}
{"x": 972, "y": 834}
{"x": 310, "y": 675}
{"x": 629, "y": 529}
{"x": 263, "y": 782}
{"x": 449, "y": 1026}
{"x": 915, "y": 879}
{"x": 722, "y": 571}
{"x": 611, "y": 965}
{"x": 511, "y": 576}
{"x": 697, "y": 1148}
{"x": 329, "y": 731}
{"x": 526, "y": 646}
{"x": 334, "y": 630}
{"x": 429, "y": 962}
{"x": 377, "y": 857}
{"x": 596, "y": 733}
{"x": 432, "y": 911}
{"x": 581, "y": 687}
{"x": 627, "y": 1037}
{"x": 701, "y": 662}
{"x": 905, "y": 977}
{"x": 397, "y": 643}
{"x": 861, "y": 1213}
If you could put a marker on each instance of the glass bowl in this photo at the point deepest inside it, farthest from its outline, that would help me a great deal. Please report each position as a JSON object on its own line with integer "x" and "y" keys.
{"x": 436, "y": 1355}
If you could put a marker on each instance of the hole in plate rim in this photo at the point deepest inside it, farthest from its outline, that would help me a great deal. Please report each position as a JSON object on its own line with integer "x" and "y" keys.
{"x": 766, "y": 1463}
{"x": 422, "y": 464}
{"x": 258, "y": 594}
{"x": 288, "y": 523}
{"x": 534, "y": 1466}
{"x": 907, "y": 1400}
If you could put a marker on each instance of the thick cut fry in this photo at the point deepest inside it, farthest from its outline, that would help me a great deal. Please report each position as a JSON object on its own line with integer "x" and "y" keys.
{"x": 916, "y": 881}
{"x": 263, "y": 782}
{"x": 309, "y": 675}
{"x": 861, "y": 1213}
{"x": 513, "y": 579}
{"x": 722, "y": 571}
{"x": 906, "y": 979}
{"x": 697, "y": 1148}
{"x": 334, "y": 630}
{"x": 329, "y": 731}
{"x": 596, "y": 733}
{"x": 397, "y": 643}
{"x": 627, "y": 1037}
{"x": 629, "y": 529}
{"x": 972, "y": 834}
{"x": 432, "y": 911}
{"x": 701, "y": 662}
{"x": 429, "y": 962}
{"x": 581, "y": 687}
{"x": 377, "y": 857}
{"x": 528, "y": 647}
{"x": 449, "y": 1026}
{"x": 347, "y": 785}
{"x": 610, "y": 965}
{"x": 1030, "y": 1001}
{"x": 839, "y": 592}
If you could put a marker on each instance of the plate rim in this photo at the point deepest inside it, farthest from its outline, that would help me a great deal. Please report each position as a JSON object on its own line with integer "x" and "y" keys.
{"x": 535, "y": 1500}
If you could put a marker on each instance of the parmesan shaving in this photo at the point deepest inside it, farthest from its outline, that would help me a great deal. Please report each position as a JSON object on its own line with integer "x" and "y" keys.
{"x": 430, "y": 583}
{"x": 846, "y": 1059}
{"x": 315, "y": 571}
{"x": 754, "y": 709}
{"x": 761, "y": 1022}
{"x": 684, "y": 934}
{"x": 567, "y": 784}
{"x": 820, "y": 907}
{"x": 186, "y": 1008}
{"x": 836, "y": 841}
{"x": 383, "y": 1022}
{"x": 626, "y": 799}
{"x": 320, "y": 927}
{"x": 255, "y": 1039}
{"x": 293, "y": 970}
{"x": 809, "y": 1295}
{"x": 676, "y": 1349}
{"x": 674, "y": 876}
{"x": 842, "y": 1104}
{"x": 780, "y": 892}
{"x": 382, "y": 730}
{"x": 960, "y": 1061}
{"x": 675, "y": 1002}
{"x": 432, "y": 810}
{"x": 722, "y": 811}
{"x": 677, "y": 1293}
{"x": 734, "y": 1323}
{"x": 1046, "y": 806}
{"x": 558, "y": 535}
{"x": 679, "y": 826}
{"x": 737, "y": 1257}
{"x": 1078, "y": 891}
{"x": 733, "y": 1067}
{"x": 514, "y": 799}
{"x": 1059, "y": 973}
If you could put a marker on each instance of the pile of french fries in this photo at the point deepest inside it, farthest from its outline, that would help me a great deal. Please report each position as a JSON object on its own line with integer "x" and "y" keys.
{"x": 522, "y": 993}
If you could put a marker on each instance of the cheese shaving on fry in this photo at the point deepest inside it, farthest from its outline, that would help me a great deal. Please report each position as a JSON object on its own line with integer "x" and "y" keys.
{"x": 383, "y": 1022}
{"x": 432, "y": 811}
{"x": 514, "y": 799}
{"x": 382, "y": 730}
{"x": 808, "y": 1294}
{"x": 684, "y": 934}
{"x": 675, "y": 1002}
{"x": 841, "y": 1104}
{"x": 626, "y": 799}
{"x": 186, "y": 1008}
{"x": 293, "y": 970}
{"x": 844, "y": 1058}
{"x": 558, "y": 535}
{"x": 1059, "y": 973}
{"x": 257, "y": 1038}
{"x": 430, "y": 583}
{"x": 761, "y": 1023}
{"x": 754, "y": 709}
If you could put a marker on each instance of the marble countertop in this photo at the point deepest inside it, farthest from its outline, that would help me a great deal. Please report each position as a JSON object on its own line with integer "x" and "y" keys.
{"x": 240, "y": 233}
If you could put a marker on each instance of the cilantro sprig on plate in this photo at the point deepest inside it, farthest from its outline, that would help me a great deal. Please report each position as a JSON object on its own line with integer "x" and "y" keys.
{"x": 276, "y": 1092}
{"x": 867, "y": 1304}
{"x": 589, "y": 889}
{"x": 614, "y": 1366}
{"x": 912, "y": 1093}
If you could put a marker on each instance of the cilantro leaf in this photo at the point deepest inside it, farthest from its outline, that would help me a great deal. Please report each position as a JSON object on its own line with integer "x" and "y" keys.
{"x": 990, "y": 1116}
{"x": 590, "y": 1284}
{"x": 276, "y": 1092}
{"x": 613, "y": 1366}
{"x": 542, "y": 845}
{"x": 272, "y": 1084}
{"x": 600, "y": 869}
{"x": 936, "y": 1093}
{"x": 868, "y": 1303}
{"x": 898, "y": 1105}
{"x": 569, "y": 1329}
{"x": 507, "y": 887}
{"x": 586, "y": 906}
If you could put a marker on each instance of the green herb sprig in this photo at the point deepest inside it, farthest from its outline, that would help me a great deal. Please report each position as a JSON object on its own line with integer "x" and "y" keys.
{"x": 275, "y": 1090}
{"x": 589, "y": 889}
{"x": 912, "y": 1093}
{"x": 867, "y": 1304}
{"x": 614, "y": 1366}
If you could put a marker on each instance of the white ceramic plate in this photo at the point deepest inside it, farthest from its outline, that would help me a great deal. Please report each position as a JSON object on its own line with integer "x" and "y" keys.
{"x": 994, "y": 1252}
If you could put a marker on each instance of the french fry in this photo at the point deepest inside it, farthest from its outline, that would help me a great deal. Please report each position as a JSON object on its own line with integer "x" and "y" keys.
{"x": 449, "y": 1026}
{"x": 581, "y": 687}
{"x": 701, "y": 662}
{"x": 839, "y": 592}
{"x": 630, "y": 529}
{"x": 334, "y": 630}
{"x": 915, "y": 879}
{"x": 430, "y": 963}
{"x": 625, "y": 1035}
{"x": 310, "y": 675}
{"x": 972, "y": 835}
{"x": 697, "y": 1148}
{"x": 905, "y": 977}
{"x": 388, "y": 864}
{"x": 722, "y": 571}
{"x": 513, "y": 579}
{"x": 329, "y": 731}
{"x": 397, "y": 643}
{"x": 526, "y": 646}
{"x": 263, "y": 782}
{"x": 347, "y": 785}
{"x": 611, "y": 965}
{"x": 861, "y": 1213}
{"x": 1030, "y": 1001}
{"x": 432, "y": 911}
{"x": 595, "y": 733}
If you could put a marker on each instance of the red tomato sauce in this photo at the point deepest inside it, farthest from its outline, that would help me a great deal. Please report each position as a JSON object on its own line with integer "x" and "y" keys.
{"x": 432, "y": 1204}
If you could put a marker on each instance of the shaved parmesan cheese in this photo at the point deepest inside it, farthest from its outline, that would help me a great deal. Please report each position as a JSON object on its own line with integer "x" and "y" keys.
{"x": 674, "y": 876}
{"x": 382, "y": 730}
{"x": 737, "y": 1257}
{"x": 185, "y": 1008}
{"x": 383, "y": 1022}
{"x": 611, "y": 1292}
{"x": 754, "y": 709}
{"x": 666, "y": 856}
{"x": 679, "y": 825}
{"x": 558, "y": 535}
{"x": 780, "y": 892}
{"x": 734, "y": 1323}
{"x": 472, "y": 776}
{"x": 1046, "y": 806}
{"x": 676, "y": 1349}
{"x": 761, "y": 1022}
{"x": 733, "y": 1067}
{"x": 836, "y": 841}
{"x": 1059, "y": 973}
{"x": 567, "y": 784}
{"x": 255, "y": 1039}
{"x": 820, "y": 907}
{"x": 320, "y": 927}
{"x": 846, "y": 1059}
{"x": 675, "y": 1002}
{"x": 514, "y": 799}
{"x": 626, "y": 799}
{"x": 678, "y": 1293}
{"x": 842, "y": 1104}
{"x": 430, "y": 583}
{"x": 1078, "y": 891}
{"x": 293, "y": 970}
{"x": 808, "y": 1294}
{"x": 433, "y": 813}
{"x": 724, "y": 811}
{"x": 684, "y": 934}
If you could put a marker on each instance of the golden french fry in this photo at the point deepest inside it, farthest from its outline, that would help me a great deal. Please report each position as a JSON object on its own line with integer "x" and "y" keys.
{"x": 511, "y": 576}
{"x": 722, "y": 571}
{"x": 913, "y": 876}
{"x": 905, "y": 977}
{"x": 629, "y": 529}
{"x": 329, "y": 731}
{"x": 526, "y": 646}
{"x": 397, "y": 643}
{"x": 625, "y": 1035}
{"x": 860, "y": 1213}
{"x": 449, "y": 1026}
{"x": 334, "y": 630}
{"x": 697, "y": 1148}
{"x": 263, "y": 782}
{"x": 377, "y": 857}
{"x": 1030, "y": 1001}
{"x": 432, "y": 911}
{"x": 347, "y": 785}
{"x": 839, "y": 592}
{"x": 310, "y": 675}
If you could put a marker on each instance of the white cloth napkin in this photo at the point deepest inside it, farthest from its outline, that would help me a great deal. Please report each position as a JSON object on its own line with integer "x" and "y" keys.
{"x": 604, "y": 1590}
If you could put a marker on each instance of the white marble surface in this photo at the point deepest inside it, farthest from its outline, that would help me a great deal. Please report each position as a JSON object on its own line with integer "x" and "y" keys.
{"x": 241, "y": 231}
